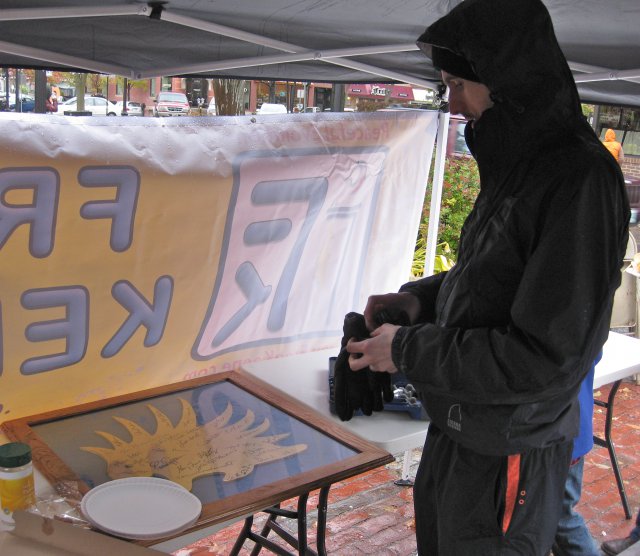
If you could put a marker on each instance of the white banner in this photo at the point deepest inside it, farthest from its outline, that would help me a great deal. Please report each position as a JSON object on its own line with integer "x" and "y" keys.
{"x": 137, "y": 252}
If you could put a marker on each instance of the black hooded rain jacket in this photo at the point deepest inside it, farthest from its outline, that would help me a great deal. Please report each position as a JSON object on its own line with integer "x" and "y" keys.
{"x": 506, "y": 337}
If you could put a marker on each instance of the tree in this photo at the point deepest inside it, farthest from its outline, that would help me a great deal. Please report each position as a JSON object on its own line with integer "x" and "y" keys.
{"x": 80, "y": 82}
{"x": 142, "y": 84}
{"x": 65, "y": 81}
{"x": 57, "y": 77}
{"x": 96, "y": 82}
{"x": 229, "y": 95}
{"x": 588, "y": 110}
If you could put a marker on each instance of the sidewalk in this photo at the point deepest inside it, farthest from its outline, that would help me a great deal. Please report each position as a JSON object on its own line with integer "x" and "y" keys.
{"x": 370, "y": 515}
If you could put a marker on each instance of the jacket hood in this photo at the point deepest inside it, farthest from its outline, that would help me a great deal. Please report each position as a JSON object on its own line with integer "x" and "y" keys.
{"x": 512, "y": 47}
{"x": 610, "y": 135}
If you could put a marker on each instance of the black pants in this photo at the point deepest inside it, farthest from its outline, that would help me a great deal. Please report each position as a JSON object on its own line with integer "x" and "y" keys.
{"x": 468, "y": 504}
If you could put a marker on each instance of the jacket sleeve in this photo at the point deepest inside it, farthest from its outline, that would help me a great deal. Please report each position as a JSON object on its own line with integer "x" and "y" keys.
{"x": 426, "y": 290}
{"x": 560, "y": 314}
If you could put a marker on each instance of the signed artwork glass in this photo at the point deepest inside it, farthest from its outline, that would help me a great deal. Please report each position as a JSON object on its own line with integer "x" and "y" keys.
{"x": 215, "y": 440}
{"x": 237, "y": 443}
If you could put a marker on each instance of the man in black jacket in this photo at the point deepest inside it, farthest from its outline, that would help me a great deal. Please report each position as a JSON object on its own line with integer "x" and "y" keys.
{"x": 499, "y": 345}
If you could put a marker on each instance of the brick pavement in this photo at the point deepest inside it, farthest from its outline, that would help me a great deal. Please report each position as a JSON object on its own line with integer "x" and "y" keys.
{"x": 370, "y": 515}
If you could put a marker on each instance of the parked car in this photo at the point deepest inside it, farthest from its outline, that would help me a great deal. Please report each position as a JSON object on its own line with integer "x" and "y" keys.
{"x": 133, "y": 108}
{"x": 633, "y": 193}
{"x": 27, "y": 102}
{"x": 345, "y": 109}
{"x": 456, "y": 143}
{"x": 270, "y": 108}
{"x": 171, "y": 104}
{"x": 98, "y": 106}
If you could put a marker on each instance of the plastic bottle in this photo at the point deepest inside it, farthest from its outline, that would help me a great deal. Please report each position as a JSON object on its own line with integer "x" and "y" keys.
{"x": 17, "y": 490}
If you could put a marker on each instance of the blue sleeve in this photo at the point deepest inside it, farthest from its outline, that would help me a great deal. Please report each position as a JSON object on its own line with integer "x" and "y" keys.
{"x": 584, "y": 441}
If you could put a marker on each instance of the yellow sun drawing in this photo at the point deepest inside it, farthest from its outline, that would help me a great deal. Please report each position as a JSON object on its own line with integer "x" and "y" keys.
{"x": 188, "y": 450}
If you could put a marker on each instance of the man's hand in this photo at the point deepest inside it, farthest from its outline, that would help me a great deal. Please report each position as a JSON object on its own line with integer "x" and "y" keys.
{"x": 393, "y": 304}
{"x": 375, "y": 352}
{"x": 364, "y": 389}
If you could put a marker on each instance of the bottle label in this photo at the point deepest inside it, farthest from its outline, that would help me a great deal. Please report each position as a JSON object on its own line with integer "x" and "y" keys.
{"x": 17, "y": 494}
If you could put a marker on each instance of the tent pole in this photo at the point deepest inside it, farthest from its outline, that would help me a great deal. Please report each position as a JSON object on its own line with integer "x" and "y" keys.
{"x": 297, "y": 50}
{"x": 23, "y": 14}
{"x": 608, "y": 75}
{"x": 62, "y": 59}
{"x": 591, "y": 71}
{"x": 333, "y": 56}
{"x": 436, "y": 193}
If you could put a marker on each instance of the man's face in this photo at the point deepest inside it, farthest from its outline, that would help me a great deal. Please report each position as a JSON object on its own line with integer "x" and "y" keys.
{"x": 467, "y": 98}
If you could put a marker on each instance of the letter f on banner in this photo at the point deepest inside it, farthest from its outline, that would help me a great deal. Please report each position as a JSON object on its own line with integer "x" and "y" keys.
{"x": 121, "y": 210}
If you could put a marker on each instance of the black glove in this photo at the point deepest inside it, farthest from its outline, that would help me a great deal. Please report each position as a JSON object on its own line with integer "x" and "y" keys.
{"x": 351, "y": 389}
{"x": 366, "y": 390}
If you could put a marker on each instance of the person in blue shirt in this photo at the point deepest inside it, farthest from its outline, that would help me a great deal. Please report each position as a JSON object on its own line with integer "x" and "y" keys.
{"x": 573, "y": 537}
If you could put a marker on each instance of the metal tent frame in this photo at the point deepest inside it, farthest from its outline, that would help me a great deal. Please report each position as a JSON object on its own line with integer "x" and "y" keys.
{"x": 245, "y": 38}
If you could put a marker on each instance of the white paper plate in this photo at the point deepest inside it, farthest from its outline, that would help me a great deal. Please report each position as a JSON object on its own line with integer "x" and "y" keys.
{"x": 142, "y": 508}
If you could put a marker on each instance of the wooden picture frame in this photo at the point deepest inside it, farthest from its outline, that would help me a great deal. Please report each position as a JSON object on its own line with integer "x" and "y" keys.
{"x": 271, "y": 447}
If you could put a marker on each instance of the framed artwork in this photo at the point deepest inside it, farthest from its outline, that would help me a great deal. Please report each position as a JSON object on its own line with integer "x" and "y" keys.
{"x": 237, "y": 443}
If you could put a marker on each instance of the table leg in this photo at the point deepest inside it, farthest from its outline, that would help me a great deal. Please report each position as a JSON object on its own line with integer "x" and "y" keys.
{"x": 243, "y": 536}
{"x": 607, "y": 442}
{"x": 265, "y": 532}
{"x": 302, "y": 524}
{"x": 406, "y": 467}
{"x": 300, "y": 543}
{"x": 322, "y": 521}
{"x": 263, "y": 542}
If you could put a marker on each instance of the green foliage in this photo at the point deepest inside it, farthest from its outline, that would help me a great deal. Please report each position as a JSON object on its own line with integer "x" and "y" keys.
{"x": 588, "y": 110}
{"x": 443, "y": 260}
{"x": 460, "y": 188}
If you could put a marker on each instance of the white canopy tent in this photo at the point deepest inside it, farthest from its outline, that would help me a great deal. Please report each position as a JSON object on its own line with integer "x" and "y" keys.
{"x": 339, "y": 41}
